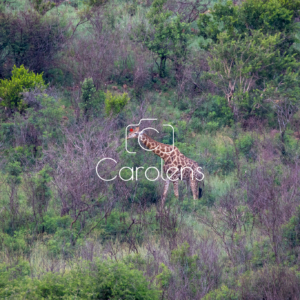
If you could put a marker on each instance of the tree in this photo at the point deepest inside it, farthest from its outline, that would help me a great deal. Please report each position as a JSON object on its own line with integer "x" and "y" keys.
{"x": 269, "y": 16}
{"x": 240, "y": 66}
{"x": 282, "y": 97}
{"x": 167, "y": 36}
{"x": 31, "y": 39}
{"x": 251, "y": 45}
{"x": 271, "y": 197}
{"x": 38, "y": 192}
{"x": 13, "y": 181}
{"x": 21, "y": 80}
{"x": 90, "y": 100}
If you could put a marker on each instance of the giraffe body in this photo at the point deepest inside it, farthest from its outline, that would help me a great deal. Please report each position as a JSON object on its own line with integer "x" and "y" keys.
{"x": 176, "y": 167}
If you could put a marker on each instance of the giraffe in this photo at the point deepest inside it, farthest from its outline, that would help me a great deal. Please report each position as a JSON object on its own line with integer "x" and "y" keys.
{"x": 176, "y": 165}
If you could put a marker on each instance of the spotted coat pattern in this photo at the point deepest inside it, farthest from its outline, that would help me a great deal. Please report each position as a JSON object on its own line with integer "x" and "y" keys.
{"x": 176, "y": 165}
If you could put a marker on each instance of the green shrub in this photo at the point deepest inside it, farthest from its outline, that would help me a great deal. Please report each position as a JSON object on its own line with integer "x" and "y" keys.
{"x": 40, "y": 194}
{"x": 20, "y": 154}
{"x": 115, "y": 103}
{"x": 120, "y": 281}
{"x": 291, "y": 230}
{"x": 52, "y": 224}
{"x": 7, "y": 133}
{"x": 21, "y": 80}
{"x": 114, "y": 225}
{"x": 104, "y": 281}
{"x": 223, "y": 293}
{"x": 262, "y": 253}
{"x": 226, "y": 158}
{"x": 212, "y": 126}
{"x": 245, "y": 145}
{"x": 212, "y": 114}
{"x": 15, "y": 243}
{"x": 91, "y": 100}
{"x": 40, "y": 127}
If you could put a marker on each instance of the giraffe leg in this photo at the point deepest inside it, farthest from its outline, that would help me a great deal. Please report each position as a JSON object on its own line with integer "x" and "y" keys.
{"x": 167, "y": 183}
{"x": 175, "y": 185}
{"x": 187, "y": 182}
{"x": 193, "y": 184}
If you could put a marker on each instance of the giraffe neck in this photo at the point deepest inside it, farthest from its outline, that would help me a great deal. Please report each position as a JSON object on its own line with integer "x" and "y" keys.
{"x": 161, "y": 150}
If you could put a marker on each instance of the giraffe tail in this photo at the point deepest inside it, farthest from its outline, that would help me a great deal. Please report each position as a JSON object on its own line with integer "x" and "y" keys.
{"x": 200, "y": 193}
{"x": 201, "y": 190}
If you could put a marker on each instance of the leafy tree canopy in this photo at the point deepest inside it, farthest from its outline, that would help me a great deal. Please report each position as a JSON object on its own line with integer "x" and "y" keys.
{"x": 269, "y": 16}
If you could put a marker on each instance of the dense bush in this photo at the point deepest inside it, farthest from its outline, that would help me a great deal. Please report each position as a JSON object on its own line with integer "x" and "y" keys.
{"x": 104, "y": 280}
{"x": 31, "y": 37}
{"x": 21, "y": 80}
{"x": 92, "y": 102}
{"x": 115, "y": 103}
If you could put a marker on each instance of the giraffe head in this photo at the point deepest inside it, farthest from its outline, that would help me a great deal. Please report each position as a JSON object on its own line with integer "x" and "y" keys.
{"x": 134, "y": 133}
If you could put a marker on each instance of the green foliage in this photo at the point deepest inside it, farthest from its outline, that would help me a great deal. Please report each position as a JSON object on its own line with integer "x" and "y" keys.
{"x": 40, "y": 127}
{"x": 223, "y": 293}
{"x": 291, "y": 231}
{"x": 14, "y": 243}
{"x": 53, "y": 224}
{"x": 187, "y": 265}
{"x": 91, "y": 101}
{"x": 251, "y": 45}
{"x": 226, "y": 158}
{"x": 96, "y": 3}
{"x": 132, "y": 8}
{"x": 282, "y": 97}
{"x": 168, "y": 37}
{"x": 262, "y": 253}
{"x": 22, "y": 155}
{"x": 182, "y": 257}
{"x": 87, "y": 90}
{"x": 148, "y": 189}
{"x": 106, "y": 280}
{"x": 47, "y": 119}
{"x": 14, "y": 171}
{"x": 114, "y": 104}
{"x": 40, "y": 191}
{"x": 41, "y": 6}
{"x": 32, "y": 38}
{"x": 212, "y": 114}
{"x": 114, "y": 226}
{"x": 21, "y": 80}
{"x": 11, "y": 276}
{"x": 245, "y": 145}
{"x": 7, "y": 131}
{"x": 269, "y": 16}
{"x": 237, "y": 66}
{"x": 164, "y": 277}
{"x": 119, "y": 281}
